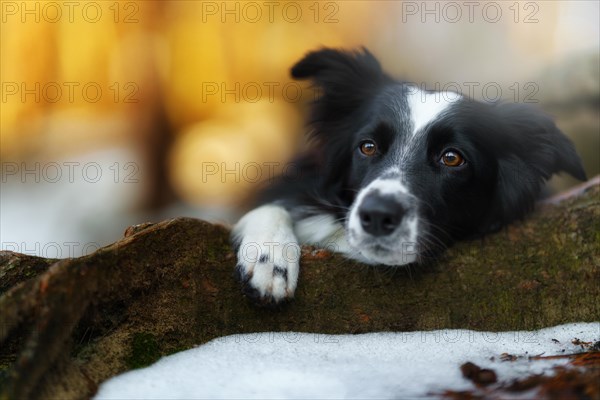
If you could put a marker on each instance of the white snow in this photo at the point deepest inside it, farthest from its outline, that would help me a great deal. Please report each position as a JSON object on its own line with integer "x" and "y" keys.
{"x": 71, "y": 206}
{"x": 291, "y": 365}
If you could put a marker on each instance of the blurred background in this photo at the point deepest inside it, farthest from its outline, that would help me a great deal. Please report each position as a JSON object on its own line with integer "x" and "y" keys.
{"x": 120, "y": 112}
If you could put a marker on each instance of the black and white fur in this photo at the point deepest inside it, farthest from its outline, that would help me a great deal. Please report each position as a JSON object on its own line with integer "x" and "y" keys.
{"x": 402, "y": 204}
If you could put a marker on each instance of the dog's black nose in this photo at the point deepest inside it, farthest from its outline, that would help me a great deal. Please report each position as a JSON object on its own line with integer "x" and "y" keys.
{"x": 380, "y": 215}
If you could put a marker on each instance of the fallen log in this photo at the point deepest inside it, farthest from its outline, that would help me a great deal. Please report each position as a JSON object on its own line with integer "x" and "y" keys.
{"x": 68, "y": 325}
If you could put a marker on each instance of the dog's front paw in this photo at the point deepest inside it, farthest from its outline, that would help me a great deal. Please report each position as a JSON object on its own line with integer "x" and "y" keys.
{"x": 268, "y": 269}
{"x": 268, "y": 254}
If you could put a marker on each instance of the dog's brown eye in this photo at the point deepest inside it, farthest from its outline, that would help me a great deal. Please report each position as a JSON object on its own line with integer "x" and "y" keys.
{"x": 452, "y": 158}
{"x": 368, "y": 148}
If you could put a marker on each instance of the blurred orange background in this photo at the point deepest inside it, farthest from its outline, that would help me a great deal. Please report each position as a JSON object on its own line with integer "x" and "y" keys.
{"x": 184, "y": 107}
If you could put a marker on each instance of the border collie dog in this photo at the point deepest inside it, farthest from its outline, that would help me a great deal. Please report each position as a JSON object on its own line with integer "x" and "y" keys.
{"x": 394, "y": 174}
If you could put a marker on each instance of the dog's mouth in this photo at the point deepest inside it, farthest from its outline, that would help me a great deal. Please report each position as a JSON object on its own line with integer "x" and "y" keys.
{"x": 384, "y": 224}
{"x": 380, "y": 252}
{"x": 395, "y": 249}
{"x": 381, "y": 249}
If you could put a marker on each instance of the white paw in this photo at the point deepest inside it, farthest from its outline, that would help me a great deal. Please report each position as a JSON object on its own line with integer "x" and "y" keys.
{"x": 268, "y": 255}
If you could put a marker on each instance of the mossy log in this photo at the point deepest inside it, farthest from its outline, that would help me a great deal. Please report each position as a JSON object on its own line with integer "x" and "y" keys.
{"x": 68, "y": 325}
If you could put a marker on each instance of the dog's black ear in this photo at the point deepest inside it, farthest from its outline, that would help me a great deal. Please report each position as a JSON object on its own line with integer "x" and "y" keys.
{"x": 532, "y": 150}
{"x": 329, "y": 65}
{"x": 346, "y": 78}
{"x": 539, "y": 141}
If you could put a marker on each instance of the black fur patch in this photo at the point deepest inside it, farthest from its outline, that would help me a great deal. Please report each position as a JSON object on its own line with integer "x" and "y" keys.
{"x": 279, "y": 271}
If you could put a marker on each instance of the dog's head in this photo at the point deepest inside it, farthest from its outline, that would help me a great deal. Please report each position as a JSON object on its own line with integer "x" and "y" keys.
{"x": 417, "y": 169}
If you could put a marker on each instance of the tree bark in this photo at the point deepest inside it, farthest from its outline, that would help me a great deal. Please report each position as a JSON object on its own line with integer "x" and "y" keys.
{"x": 68, "y": 325}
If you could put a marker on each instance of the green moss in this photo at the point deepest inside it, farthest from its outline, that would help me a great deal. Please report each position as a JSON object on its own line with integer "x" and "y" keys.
{"x": 144, "y": 350}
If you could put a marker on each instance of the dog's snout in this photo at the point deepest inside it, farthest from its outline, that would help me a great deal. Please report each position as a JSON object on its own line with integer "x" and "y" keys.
{"x": 380, "y": 215}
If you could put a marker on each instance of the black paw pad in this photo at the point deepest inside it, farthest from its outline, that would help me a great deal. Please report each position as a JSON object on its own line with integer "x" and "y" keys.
{"x": 239, "y": 274}
{"x": 251, "y": 292}
{"x": 278, "y": 271}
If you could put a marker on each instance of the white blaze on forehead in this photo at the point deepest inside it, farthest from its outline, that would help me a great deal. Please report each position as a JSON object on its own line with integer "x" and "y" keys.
{"x": 426, "y": 107}
{"x": 384, "y": 186}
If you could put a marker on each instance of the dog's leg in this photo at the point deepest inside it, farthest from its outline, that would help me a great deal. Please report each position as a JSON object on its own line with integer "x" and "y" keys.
{"x": 268, "y": 254}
